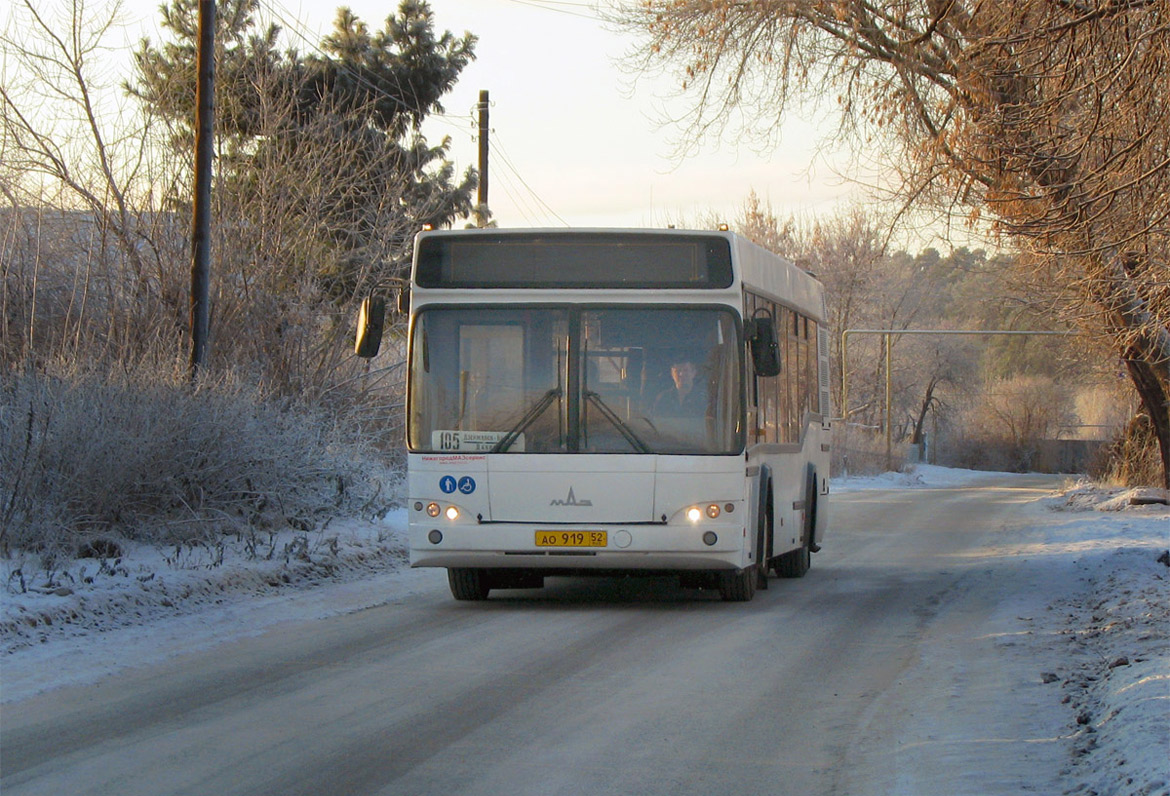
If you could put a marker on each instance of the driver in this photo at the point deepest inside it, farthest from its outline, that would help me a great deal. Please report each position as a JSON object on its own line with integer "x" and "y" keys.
{"x": 682, "y": 398}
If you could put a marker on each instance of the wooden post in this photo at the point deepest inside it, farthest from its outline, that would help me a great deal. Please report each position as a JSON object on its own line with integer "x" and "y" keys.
{"x": 481, "y": 214}
{"x": 201, "y": 222}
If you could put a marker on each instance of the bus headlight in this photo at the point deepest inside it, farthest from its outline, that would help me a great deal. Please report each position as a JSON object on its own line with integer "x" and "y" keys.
{"x": 452, "y": 513}
{"x": 433, "y": 510}
{"x": 696, "y": 513}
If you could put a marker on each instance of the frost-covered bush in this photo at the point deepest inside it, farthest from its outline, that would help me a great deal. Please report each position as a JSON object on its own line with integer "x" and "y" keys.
{"x": 150, "y": 458}
{"x": 1007, "y": 424}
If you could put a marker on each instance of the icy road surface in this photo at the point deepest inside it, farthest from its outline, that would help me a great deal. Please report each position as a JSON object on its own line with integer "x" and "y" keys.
{"x": 893, "y": 667}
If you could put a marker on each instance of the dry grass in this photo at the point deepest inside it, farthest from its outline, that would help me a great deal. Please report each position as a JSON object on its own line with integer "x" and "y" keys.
{"x": 1132, "y": 459}
{"x": 862, "y": 451}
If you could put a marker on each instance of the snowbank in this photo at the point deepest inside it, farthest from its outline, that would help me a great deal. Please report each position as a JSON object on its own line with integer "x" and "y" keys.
{"x": 1114, "y": 624}
{"x": 73, "y": 624}
{"x": 919, "y": 475}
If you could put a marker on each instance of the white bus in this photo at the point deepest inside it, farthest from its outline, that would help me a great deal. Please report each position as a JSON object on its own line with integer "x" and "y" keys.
{"x": 613, "y": 401}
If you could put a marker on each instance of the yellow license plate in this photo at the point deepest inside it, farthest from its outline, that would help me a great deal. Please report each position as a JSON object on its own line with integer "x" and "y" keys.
{"x": 572, "y": 538}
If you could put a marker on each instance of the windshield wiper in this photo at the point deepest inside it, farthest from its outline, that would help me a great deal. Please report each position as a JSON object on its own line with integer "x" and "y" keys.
{"x": 529, "y": 418}
{"x": 628, "y": 433}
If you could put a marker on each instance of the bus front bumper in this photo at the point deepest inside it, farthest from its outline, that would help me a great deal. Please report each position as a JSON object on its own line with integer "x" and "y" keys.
{"x": 704, "y": 546}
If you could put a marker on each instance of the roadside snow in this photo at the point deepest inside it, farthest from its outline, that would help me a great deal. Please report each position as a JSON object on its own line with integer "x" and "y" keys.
{"x": 921, "y": 475}
{"x": 1114, "y": 623}
{"x": 75, "y": 624}
{"x": 1104, "y": 630}
{"x": 1101, "y": 635}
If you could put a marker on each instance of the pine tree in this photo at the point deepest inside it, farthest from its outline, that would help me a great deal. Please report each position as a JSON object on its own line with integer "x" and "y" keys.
{"x": 332, "y": 137}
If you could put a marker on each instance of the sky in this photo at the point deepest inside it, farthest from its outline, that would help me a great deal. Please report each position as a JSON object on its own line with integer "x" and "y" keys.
{"x": 575, "y": 140}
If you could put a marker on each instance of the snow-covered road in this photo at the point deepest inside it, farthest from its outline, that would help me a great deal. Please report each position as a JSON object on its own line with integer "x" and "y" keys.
{"x": 959, "y": 639}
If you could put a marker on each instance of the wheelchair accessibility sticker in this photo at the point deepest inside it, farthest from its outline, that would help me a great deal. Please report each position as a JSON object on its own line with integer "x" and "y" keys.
{"x": 465, "y": 485}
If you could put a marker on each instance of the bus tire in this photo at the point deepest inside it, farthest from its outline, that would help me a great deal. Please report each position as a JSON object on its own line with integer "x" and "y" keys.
{"x": 738, "y": 586}
{"x": 764, "y": 535}
{"x": 468, "y": 584}
{"x": 796, "y": 563}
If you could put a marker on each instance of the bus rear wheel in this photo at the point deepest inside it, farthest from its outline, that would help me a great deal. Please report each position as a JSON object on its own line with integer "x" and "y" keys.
{"x": 796, "y": 563}
{"x": 468, "y": 584}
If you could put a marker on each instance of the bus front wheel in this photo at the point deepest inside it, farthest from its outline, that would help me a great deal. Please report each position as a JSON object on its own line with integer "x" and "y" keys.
{"x": 764, "y": 535}
{"x": 738, "y": 586}
{"x": 468, "y": 584}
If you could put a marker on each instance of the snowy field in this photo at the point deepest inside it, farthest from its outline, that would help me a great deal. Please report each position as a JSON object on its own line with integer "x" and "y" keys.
{"x": 1101, "y": 636}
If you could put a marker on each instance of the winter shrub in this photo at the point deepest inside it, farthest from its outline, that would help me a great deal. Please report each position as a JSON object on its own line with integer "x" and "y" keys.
{"x": 148, "y": 457}
{"x": 1007, "y": 425}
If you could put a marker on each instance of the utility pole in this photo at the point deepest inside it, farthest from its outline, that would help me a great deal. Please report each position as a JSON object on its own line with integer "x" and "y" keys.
{"x": 201, "y": 222}
{"x": 481, "y": 205}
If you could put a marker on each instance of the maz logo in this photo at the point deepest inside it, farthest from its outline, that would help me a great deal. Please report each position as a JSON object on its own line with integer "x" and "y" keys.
{"x": 571, "y": 500}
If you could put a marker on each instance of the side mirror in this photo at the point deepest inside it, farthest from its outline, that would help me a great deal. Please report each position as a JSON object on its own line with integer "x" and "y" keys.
{"x": 371, "y": 319}
{"x": 761, "y": 332}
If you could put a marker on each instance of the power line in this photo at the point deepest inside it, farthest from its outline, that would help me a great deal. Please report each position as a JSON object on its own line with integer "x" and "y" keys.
{"x": 562, "y": 7}
{"x": 503, "y": 153}
{"x": 519, "y": 201}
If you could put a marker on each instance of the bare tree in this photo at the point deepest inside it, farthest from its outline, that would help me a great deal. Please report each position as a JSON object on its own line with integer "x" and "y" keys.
{"x": 1048, "y": 118}
{"x": 869, "y": 286}
{"x": 759, "y": 222}
{"x": 80, "y": 177}
{"x": 54, "y": 115}
{"x": 278, "y": 255}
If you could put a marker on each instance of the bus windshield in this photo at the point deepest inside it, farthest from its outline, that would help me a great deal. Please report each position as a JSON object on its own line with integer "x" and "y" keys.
{"x": 576, "y": 379}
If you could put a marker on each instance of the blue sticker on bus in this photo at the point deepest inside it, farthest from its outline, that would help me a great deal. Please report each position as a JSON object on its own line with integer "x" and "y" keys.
{"x": 467, "y": 484}
{"x": 447, "y": 484}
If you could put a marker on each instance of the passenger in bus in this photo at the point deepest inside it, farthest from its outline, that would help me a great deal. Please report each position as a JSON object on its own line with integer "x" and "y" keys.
{"x": 683, "y": 398}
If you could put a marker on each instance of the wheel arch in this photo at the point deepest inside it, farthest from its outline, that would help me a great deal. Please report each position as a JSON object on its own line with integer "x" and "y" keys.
{"x": 764, "y": 510}
{"x": 811, "y": 507}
